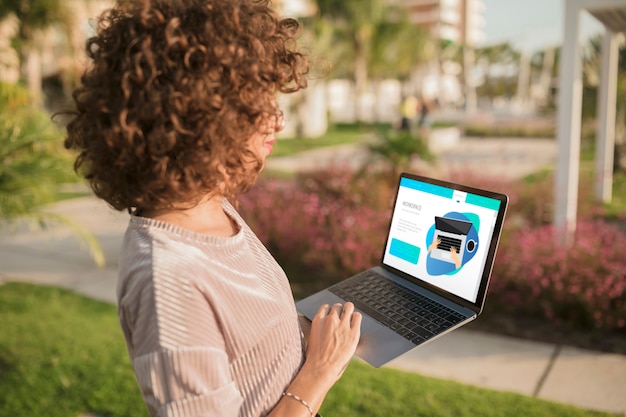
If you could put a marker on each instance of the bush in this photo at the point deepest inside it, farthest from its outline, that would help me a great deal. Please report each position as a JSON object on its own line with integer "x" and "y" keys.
{"x": 323, "y": 227}
{"x": 398, "y": 148}
{"x": 535, "y": 199}
{"x": 583, "y": 284}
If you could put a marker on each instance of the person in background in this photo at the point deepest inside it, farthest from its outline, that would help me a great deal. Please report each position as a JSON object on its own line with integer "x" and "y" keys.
{"x": 173, "y": 119}
{"x": 408, "y": 112}
{"x": 425, "y": 109}
{"x": 423, "y": 121}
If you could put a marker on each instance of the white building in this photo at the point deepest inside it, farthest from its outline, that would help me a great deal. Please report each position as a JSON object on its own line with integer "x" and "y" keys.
{"x": 458, "y": 21}
{"x": 456, "y": 24}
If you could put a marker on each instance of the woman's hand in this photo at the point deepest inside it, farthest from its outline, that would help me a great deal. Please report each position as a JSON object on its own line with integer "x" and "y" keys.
{"x": 335, "y": 333}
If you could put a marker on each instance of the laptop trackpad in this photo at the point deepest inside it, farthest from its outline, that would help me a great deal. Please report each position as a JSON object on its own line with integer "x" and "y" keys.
{"x": 378, "y": 344}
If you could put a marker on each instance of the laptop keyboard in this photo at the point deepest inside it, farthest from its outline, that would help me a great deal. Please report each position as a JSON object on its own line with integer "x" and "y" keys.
{"x": 410, "y": 314}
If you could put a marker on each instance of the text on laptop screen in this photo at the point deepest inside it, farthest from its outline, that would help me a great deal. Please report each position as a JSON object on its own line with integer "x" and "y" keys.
{"x": 441, "y": 236}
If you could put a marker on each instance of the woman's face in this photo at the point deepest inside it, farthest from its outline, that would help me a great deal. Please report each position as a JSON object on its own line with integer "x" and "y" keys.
{"x": 262, "y": 142}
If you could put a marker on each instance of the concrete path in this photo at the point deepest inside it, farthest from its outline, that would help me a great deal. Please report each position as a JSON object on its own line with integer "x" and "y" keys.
{"x": 583, "y": 378}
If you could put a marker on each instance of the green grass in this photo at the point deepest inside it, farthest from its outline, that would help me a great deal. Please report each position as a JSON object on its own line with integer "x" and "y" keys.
{"x": 62, "y": 355}
{"x": 339, "y": 134}
{"x": 364, "y": 391}
{"x": 617, "y": 207}
{"x": 519, "y": 131}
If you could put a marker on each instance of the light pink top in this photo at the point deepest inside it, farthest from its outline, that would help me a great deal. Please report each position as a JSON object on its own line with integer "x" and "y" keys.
{"x": 210, "y": 322}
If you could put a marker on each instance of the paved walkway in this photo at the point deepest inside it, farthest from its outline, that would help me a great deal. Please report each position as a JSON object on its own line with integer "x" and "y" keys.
{"x": 583, "y": 378}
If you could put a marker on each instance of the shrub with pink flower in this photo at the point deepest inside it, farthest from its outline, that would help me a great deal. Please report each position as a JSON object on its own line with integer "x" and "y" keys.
{"x": 327, "y": 225}
{"x": 582, "y": 284}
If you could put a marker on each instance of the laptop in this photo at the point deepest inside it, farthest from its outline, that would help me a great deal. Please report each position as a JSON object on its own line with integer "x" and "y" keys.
{"x": 434, "y": 272}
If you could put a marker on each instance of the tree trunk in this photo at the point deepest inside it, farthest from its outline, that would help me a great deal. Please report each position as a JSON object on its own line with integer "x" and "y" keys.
{"x": 360, "y": 71}
{"x": 619, "y": 156}
{"x": 31, "y": 73}
{"x": 545, "y": 79}
{"x": 470, "y": 89}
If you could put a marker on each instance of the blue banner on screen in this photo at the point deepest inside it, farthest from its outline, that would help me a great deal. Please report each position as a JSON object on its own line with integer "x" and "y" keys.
{"x": 404, "y": 251}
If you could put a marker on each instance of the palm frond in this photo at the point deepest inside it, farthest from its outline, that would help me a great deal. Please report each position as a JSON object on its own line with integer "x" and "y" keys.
{"x": 41, "y": 219}
{"x": 33, "y": 164}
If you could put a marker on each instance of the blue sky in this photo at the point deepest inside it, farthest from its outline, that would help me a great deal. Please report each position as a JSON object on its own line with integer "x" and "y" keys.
{"x": 530, "y": 24}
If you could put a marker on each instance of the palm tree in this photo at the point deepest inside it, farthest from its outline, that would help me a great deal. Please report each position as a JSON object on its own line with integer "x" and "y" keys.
{"x": 543, "y": 66}
{"x": 32, "y": 165}
{"x": 500, "y": 58}
{"x": 397, "y": 47}
{"x": 371, "y": 37}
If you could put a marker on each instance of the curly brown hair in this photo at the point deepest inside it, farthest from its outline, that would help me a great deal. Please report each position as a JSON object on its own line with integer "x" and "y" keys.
{"x": 174, "y": 91}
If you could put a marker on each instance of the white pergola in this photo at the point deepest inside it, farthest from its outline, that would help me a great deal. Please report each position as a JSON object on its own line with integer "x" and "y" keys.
{"x": 612, "y": 14}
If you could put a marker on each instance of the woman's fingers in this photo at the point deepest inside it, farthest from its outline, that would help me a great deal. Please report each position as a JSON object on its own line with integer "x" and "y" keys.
{"x": 348, "y": 309}
{"x": 323, "y": 310}
{"x": 338, "y": 308}
{"x": 346, "y": 313}
{"x": 356, "y": 321}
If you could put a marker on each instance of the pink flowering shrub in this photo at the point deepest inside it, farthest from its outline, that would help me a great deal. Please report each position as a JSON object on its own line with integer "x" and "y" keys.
{"x": 324, "y": 226}
{"x": 584, "y": 284}
{"x": 328, "y": 224}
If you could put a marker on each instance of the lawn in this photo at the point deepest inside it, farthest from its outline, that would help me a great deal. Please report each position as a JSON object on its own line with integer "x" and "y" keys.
{"x": 339, "y": 134}
{"x": 62, "y": 355}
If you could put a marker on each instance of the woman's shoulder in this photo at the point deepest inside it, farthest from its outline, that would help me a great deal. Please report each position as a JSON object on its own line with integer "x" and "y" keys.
{"x": 153, "y": 253}
{"x": 155, "y": 245}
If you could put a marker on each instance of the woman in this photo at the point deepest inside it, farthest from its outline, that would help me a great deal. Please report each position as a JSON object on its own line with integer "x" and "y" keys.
{"x": 175, "y": 116}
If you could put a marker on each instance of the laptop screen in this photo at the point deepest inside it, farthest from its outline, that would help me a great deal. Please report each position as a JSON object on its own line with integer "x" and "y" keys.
{"x": 441, "y": 233}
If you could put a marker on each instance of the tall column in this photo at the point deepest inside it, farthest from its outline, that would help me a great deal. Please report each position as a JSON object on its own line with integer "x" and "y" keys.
{"x": 568, "y": 122}
{"x": 313, "y": 113}
{"x": 469, "y": 87}
{"x": 605, "y": 139}
{"x": 523, "y": 82}
{"x": 471, "y": 103}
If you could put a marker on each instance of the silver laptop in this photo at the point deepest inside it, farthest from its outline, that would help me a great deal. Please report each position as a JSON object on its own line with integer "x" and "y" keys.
{"x": 435, "y": 268}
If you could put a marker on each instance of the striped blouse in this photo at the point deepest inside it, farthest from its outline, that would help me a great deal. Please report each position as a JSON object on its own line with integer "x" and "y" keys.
{"x": 209, "y": 322}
